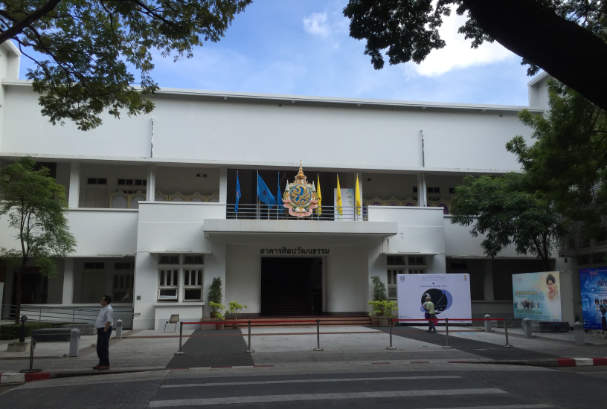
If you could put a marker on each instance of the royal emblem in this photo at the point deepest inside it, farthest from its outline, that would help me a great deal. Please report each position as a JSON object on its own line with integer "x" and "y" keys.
{"x": 300, "y": 196}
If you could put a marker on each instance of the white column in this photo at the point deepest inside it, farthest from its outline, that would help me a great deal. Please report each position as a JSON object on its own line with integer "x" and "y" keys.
{"x": 223, "y": 185}
{"x": 68, "y": 282}
{"x": 151, "y": 185}
{"x": 74, "y": 190}
{"x": 488, "y": 282}
{"x": 422, "y": 200}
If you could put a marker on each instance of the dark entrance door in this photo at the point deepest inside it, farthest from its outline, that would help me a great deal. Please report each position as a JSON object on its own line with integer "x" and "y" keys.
{"x": 291, "y": 286}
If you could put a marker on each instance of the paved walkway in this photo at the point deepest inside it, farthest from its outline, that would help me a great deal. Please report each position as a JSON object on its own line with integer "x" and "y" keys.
{"x": 273, "y": 345}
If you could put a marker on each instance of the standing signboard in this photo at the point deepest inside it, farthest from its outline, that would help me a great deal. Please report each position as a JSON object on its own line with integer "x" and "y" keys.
{"x": 450, "y": 294}
{"x": 536, "y": 296}
{"x": 593, "y": 288}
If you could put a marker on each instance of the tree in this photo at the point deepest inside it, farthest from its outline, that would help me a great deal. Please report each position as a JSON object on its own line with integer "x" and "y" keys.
{"x": 34, "y": 203}
{"x": 504, "y": 210}
{"x": 86, "y": 49}
{"x": 566, "y": 38}
{"x": 567, "y": 163}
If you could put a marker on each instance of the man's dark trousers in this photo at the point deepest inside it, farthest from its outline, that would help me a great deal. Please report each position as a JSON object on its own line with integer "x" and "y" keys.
{"x": 103, "y": 346}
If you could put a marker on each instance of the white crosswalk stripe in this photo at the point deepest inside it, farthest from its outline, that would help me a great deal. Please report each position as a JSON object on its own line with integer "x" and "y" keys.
{"x": 309, "y": 381}
{"x": 230, "y": 400}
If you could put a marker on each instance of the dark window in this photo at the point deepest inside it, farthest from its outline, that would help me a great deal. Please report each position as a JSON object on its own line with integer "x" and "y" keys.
{"x": 93, "y": 266}
{"x": 396, "y": 260}
{"x": 416, "y": 261}
{"x": 123, "y": 266}
{"x": 193, "y": 259}
{"x": 169, "y": 259}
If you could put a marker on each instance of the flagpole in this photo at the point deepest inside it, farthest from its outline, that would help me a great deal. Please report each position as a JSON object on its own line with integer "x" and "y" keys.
{"x": 257, "y": 212}
{"x": 238, "y": 183}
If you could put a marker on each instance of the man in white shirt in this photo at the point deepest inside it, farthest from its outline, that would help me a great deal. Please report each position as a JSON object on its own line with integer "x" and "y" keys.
{"x": 103, "y": 323}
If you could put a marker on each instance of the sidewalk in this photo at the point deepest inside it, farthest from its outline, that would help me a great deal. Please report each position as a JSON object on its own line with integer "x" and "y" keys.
{"x": 147, "y": 350}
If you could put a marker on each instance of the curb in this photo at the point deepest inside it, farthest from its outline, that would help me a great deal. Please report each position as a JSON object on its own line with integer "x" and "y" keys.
{"x": 549, "y": 363}
{"x": 18, "y": 378}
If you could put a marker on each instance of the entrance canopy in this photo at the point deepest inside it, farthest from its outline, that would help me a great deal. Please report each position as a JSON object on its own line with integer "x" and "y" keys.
{"x": 300, "y": 228}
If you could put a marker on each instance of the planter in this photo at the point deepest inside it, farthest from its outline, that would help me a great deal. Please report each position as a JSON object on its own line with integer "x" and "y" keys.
{"x": 374, "y": 321}
{"x": 384, "y": 321}
{"x": 219, "y": 325}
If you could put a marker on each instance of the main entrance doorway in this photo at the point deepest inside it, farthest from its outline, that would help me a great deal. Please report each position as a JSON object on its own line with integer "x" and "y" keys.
{"x": 291, "y": 286}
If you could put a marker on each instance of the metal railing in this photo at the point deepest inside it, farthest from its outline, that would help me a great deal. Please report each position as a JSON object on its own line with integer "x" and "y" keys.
{"x": 71, "y": 314}
{"x": 263, "y": 211}
{"x": 317, "y": 323}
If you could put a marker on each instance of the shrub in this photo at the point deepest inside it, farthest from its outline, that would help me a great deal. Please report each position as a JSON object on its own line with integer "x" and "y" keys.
{"x": 11, "y": 331}
{"x": 379, "y": 289}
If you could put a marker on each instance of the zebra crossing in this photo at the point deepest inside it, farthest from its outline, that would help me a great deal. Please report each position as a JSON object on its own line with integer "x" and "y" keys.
{"x": 444, "y": 391}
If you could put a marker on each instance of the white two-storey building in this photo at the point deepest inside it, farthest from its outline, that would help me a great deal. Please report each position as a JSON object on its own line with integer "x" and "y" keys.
{"x": 151, "y": 200}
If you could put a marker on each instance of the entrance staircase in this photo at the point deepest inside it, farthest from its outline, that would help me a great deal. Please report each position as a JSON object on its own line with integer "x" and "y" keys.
{"x": 275, "y": 321}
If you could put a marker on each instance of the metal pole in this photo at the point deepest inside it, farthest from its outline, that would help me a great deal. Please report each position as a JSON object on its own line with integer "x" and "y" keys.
{"x": 249, "y": 350}
{"x": 180, "y": 352}
{"x": 318, "y": 348}
{"x": 390, "y": 347}
{"x": 506, "y": 333}
{"x": 32, "y": 343}
{"x": 447, "y": 332}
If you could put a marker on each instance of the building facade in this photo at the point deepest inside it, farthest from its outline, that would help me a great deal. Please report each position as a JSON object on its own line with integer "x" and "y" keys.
{"x": 151, "y": 200}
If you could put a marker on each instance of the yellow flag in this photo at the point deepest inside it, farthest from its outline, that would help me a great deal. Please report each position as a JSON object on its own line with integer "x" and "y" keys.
{"x": 339, "y": 202}
{"x": 319, "y": 195}
{"x": 357, "y": 201}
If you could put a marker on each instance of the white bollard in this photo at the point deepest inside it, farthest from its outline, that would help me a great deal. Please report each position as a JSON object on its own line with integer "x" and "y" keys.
{"x": 74, "y": 342}
{"x": 526, "y": 324}
{"x": 488, "y": 326}
{"x": 119, "y": 328}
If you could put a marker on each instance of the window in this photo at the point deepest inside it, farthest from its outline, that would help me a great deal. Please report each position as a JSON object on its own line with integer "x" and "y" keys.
{"x": 132, "y": 182}
{"x": 168, "y": 285}
{"x": 180, "y": 277}
{"x": 403, "y": 265}
{"x": 192, "y": 285}
{"x": 96, "y": 181}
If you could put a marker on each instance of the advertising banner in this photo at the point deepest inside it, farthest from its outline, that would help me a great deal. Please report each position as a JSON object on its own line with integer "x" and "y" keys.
{"x": 536, "y": 296}
{"x": 593, "y": 288}
{"x": 450, "y": 294}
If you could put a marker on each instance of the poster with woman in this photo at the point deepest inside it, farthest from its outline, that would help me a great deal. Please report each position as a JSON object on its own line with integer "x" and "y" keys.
{"x": 593, "y": 288}
{"x": 536, "y": 296}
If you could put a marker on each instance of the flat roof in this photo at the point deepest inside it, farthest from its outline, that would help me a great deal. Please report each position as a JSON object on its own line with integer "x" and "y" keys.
{"x": 326, "y": 101}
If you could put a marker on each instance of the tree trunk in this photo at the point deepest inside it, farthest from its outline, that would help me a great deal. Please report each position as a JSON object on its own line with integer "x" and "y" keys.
{"x": 568, "y": 52}
{"x": 19, "y": 289}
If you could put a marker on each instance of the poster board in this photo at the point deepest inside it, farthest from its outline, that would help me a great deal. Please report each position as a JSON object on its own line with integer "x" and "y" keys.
{"x": 537, "y": 296}
{"x": 593, "y": 289}
{"x": 450, "y": 294}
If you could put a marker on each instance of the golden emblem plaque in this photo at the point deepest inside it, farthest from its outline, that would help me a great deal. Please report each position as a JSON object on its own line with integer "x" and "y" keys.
{"x": 300, "y": 196}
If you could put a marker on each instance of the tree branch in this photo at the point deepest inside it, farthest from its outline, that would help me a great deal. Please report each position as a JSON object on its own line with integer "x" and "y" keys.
{"x": 565, "y": 50}
{"x": 19, "y": 26}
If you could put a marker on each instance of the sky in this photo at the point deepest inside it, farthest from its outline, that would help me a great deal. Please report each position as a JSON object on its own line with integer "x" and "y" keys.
{"x": 297, "y": 47}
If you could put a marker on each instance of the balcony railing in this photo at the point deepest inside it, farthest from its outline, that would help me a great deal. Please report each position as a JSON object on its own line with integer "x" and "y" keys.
{"x": 265, "y": 212}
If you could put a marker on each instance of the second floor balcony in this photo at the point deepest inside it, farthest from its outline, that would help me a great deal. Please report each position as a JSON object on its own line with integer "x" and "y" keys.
{"x": 261, "y": 211}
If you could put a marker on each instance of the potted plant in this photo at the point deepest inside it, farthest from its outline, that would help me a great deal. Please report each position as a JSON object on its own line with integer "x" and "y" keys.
{"x": 216, "y": 312}
{"x": 234, "y": 309}
{"x": 214, "y": 294}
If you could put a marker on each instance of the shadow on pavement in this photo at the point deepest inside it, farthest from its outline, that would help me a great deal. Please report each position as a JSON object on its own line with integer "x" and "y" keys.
{"x": 484, "y": 349}
{"x": 212, "y": 348}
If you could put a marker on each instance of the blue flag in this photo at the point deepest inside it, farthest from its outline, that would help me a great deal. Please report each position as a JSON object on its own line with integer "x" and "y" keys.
{"x": 263, "y": 192}
{"x": 238, "y": 194}
{"x": 279, "y": 195}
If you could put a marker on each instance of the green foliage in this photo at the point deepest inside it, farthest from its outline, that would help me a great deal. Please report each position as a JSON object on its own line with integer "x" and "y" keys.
{"x": 33, "y": 203}
{"x": 383, "y": 308}
{"x": 506, "y": 211}
{"x": 85, "y": 49}
{"x": 567, "y": 163}
{"x": 217, "y": 309}
{"x": 11, "y": 331}
{"x": 214, "y": 295}
{"x": 379, "y": 289}
{"x": 234, "y": 308}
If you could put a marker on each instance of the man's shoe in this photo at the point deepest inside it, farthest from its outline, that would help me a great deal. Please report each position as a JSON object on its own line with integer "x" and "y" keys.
{"x": 102, "y": 367}
{"x": 96, "y": 366}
